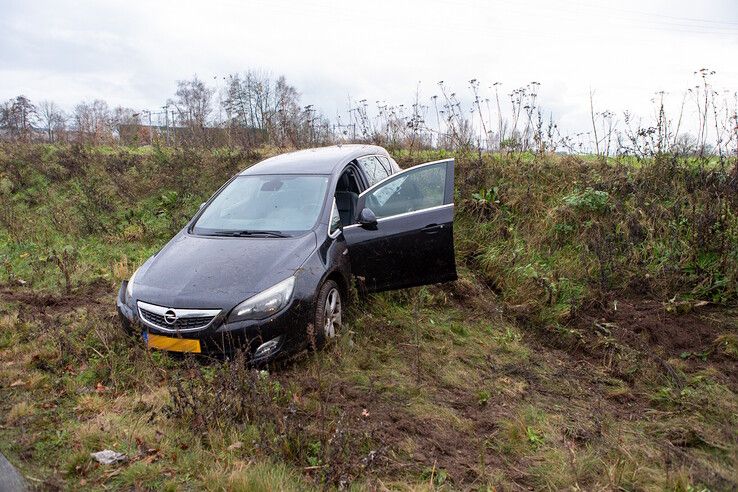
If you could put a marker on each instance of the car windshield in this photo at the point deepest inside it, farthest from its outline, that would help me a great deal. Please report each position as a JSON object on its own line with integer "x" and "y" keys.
{"x": 275, "y": 205}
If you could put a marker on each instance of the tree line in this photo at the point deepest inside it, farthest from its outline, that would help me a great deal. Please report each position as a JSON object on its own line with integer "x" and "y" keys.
{"x": 252, "y": 109}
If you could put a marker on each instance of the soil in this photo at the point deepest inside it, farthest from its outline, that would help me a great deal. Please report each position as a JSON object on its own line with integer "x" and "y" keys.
{"x": 97, "y": 293}
{"x": 684, "y": 331}
{"x": 408, "y": 445}
{"x": 464, "y": 450}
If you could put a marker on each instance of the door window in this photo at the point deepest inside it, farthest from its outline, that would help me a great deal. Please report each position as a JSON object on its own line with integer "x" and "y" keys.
{"x": 415, "y": 189}
{"x": 335, "y": 225}
{"x": 385, "y": 164}
{"x": 374, "y": 170}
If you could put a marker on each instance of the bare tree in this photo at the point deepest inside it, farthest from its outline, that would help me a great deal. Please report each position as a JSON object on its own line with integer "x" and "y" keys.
{"x": 53, "y": 119}
{"x": 193, "y": 102}
{"x": 92, "y": 121}
{"x": 255, "y": 101}
{"x": 124, "y": 116}
{"x": 289, "y": 114}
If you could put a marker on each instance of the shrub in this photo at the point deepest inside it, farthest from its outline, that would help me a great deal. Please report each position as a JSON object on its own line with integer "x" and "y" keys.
{"x": 589, "y": 200}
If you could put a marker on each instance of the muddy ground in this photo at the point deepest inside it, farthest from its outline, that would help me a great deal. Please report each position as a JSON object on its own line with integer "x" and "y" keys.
{"x": 588, "y": 390}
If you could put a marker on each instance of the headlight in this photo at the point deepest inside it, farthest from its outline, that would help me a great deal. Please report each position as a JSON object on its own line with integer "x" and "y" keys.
{"x": 265, "y": 303}
{"x": 129, "y": 288}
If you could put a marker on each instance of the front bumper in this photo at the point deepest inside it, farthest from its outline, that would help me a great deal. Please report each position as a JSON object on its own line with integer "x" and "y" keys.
{"x": 224, "y": 339}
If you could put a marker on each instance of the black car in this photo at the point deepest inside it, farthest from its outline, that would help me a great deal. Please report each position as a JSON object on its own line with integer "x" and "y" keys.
{"x": 266, "y": 264}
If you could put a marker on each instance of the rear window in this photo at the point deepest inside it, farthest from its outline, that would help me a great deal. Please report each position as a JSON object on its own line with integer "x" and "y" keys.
{"x": 375, "y": 170}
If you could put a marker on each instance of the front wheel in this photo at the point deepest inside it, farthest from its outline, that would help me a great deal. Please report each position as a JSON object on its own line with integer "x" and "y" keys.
{"x": 328, "y": 311}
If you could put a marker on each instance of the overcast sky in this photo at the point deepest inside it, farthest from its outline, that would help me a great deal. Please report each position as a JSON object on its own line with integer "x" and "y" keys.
{"x": 132, "y": 52}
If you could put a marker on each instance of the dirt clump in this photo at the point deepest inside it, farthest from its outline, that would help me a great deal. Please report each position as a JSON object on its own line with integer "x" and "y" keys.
{"x": 666, "y": 331}
{"x": 95, "y": 294}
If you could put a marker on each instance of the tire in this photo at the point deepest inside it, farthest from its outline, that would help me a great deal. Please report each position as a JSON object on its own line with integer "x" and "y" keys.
{"x": 328, "y": 314}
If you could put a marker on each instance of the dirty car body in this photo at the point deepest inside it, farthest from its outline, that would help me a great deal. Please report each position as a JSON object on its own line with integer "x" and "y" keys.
{"x": 266, "y": 264}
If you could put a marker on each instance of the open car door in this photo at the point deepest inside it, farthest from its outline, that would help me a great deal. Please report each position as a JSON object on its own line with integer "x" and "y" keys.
{"x": 404, "y": 235}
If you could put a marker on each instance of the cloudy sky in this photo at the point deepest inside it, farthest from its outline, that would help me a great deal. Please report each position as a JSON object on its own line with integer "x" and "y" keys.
{"x": 132, "y": 52}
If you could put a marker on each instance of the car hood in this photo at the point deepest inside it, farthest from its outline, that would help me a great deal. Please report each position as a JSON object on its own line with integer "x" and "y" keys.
{"x": 218, "y": 272}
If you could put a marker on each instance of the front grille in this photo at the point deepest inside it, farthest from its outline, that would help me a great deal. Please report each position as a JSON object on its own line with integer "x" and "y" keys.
{"x": 180, "y": 324}
{"x": 186, "y": 319}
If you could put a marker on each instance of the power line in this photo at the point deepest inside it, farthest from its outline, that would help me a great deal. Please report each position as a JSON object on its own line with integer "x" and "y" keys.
{"x": 656, "y": 14}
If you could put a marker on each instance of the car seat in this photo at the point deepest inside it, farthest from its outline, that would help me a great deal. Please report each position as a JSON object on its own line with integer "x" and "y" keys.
{"x": 346, "y": 200}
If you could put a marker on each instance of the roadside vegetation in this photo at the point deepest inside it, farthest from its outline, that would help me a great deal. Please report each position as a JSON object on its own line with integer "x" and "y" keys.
{"x": 591, "y": 341}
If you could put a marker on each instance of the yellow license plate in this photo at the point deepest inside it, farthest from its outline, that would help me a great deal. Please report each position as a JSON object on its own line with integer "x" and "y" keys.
{"x": 173, "y": 344}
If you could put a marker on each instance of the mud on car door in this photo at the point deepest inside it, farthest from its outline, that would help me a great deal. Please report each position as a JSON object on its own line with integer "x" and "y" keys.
{"x": 404, "y": 235}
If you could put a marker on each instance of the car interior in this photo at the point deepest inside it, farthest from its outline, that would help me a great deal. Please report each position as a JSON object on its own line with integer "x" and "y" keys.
{"x": 402, "y": 195}
{"x": 347, "y": 195}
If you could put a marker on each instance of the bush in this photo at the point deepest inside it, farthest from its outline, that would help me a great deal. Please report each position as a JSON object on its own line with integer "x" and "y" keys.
{"x": 589, "y": 200}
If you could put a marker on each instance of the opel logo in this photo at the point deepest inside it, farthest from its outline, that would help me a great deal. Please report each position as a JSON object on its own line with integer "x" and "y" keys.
{"x": 170, "y": 317}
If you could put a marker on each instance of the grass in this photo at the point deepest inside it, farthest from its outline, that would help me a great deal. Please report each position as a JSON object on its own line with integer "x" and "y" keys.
{"x": 532, "y": 418}
{"x": 520, "y": 374}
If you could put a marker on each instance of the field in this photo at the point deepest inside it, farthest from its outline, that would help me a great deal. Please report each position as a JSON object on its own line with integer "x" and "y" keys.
{"x": 590, "y": 343}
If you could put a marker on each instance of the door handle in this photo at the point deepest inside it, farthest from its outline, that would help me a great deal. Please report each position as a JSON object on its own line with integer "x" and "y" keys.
{"x": 432, "y": 228}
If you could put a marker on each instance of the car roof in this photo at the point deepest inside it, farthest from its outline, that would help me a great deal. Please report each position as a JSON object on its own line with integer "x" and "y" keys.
{"x": 321, "y": 160}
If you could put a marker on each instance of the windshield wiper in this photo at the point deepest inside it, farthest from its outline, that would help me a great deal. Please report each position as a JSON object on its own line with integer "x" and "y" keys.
{"x": 248, "y": 233}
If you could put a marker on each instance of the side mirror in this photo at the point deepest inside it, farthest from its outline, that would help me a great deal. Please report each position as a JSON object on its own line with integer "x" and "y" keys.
{"x": 202, "y": 205}
{"x": 367, "y": 218}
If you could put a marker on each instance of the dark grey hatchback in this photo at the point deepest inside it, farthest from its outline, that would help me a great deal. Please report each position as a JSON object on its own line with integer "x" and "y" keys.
{"x": 266, "y": 264}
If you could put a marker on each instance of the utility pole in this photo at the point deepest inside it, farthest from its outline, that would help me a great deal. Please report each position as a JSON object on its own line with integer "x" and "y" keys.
{"x": 166, "y": 121}
{"x": 151, "y": 135}
{"x": 174, "y": 129}
{"x": 310, "y": 121}
{"x": 351, "y": 120}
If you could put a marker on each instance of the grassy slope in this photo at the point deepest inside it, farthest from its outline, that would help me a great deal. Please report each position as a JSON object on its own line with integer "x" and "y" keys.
{"x": 514, "y": 376}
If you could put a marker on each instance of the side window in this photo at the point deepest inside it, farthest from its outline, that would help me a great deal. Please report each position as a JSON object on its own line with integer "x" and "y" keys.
{"x": 385, "y": 164}
{"x": 373, "y": 169}
{"x": 415, "y": 189}
{"x": 335, "y": 225}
